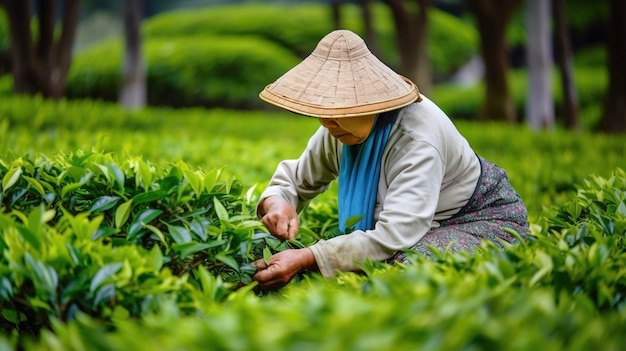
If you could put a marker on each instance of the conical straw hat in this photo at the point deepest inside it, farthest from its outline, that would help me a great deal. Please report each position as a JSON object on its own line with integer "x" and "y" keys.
{"x": 340, "y": 78}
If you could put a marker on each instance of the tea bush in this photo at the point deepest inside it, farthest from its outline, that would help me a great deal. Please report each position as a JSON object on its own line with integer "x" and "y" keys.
{"x": 80, "y": 233}
{"x": 545, "y": 168}
{"x": 562, "y": 287}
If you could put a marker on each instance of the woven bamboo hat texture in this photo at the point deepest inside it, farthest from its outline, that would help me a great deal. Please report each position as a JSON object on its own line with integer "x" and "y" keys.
{"x": 340, "y": 78}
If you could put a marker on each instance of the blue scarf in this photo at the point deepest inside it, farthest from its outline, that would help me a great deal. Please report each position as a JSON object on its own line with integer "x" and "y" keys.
{"x": 359, "y": 171}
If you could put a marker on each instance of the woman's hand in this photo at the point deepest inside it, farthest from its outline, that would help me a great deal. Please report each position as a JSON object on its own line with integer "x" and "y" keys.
{"x": 282, "y": 267}
{"x": 279, "y": 217}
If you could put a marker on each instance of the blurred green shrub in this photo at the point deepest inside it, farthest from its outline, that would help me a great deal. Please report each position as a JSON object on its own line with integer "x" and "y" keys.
{"x": 296, "y": 27}
{"x": 225, "y": 55}
{"x": 6, "y": 85}
{"x": 191, "y": 70}
{"x": 452, "y": 40}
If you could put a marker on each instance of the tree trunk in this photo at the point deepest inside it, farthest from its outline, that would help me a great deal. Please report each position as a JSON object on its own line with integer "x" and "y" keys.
{"x": 335, "y": 9}
{"x": 539, "y": 101}
{"x": 368, "y": 25}
{"x": 411, "y": 21}
{"x": 133, "y": 91}
{"x": 614, "y": 116}
{"x": 564, "y": 62}
{"x": 42, "y": 66}
{"x": 492, "y": 18}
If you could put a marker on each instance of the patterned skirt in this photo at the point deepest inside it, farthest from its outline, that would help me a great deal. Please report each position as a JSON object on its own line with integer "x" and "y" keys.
{"x": 493, "y": 206}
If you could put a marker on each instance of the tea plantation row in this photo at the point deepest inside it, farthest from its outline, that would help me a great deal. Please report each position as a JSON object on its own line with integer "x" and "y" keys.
{"x": 545, "y": 168}
{"x": 99, "y": 255}
{"x": 136, "y": 230}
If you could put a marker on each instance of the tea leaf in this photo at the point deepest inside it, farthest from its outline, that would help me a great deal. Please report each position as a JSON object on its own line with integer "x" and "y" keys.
{"x": 105, "y": 293}
{"x": 195, "y": 181}
{"x": 122, "y": 213}
{"x": 352, "y": 221}
{"x": 35, "y": 184}
{"x": 103, "y": 274}
{"x": 117, "y": 174}
{"x": 189, "y": 248}
{"x": 220, "y": 210}
{"x": 143, "y": 218}
{"x": 10, "y": 178}
{"x": 228, "y": 260}
{"x": 149, "y": 196}
{"x": 103, "y": 203}
{"x": 179, "y": 234}
{"x": 267, "y": 254}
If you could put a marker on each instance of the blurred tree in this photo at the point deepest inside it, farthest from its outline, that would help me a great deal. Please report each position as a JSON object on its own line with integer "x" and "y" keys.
{"x": 40, "y": 61}
{"x": 614, "y": 116}
{"x": 492, "y": 18}
{"x": 335, "y": 10}
{"x": 133, "y": 90}
{"x": 539, "y": 100}
{"x": 411, "y": 21}
{"x": 564, "y": 60}
{"x": 368, "y": 25}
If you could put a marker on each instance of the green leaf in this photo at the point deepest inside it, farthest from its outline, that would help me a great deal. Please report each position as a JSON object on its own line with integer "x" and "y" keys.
{"x": 117, "y": 174}
{"x": 122, "y": 213}
{"x": 179, "y": 234}
{"x": 69, "y": 188}
{"x": 35, "y": 184}
{"x": 249, "y": 194}
{"x": 267, "y": 254}
{"x": 220, "y": 210}
{"x": 10, "y": 178}
{"x": 103, "y": 232}
{"x": 352, "y": 221}
{"x": 228, "y": 260}
{"x": 143, "y": 218}
{"x": 103, "y": 203}
{"x": 46, "y": 277}
{"x": 195, "y": 181}
{"x": 211, "y": 178}
{"x": 13, "y": 316}
{"x": 104, "y": 294}
{"x": 157, "y": 257}
{"x": 187, "y": 249}
{"x": 544, "y": 262}
{"x": 146, "y": 173}
{"x": 621, "y": 209}
{"x": 156, "y": 231}
{"x": 149, "y": 196}
{"x": 29, "y": 236}
{"x": 103, "y": 274}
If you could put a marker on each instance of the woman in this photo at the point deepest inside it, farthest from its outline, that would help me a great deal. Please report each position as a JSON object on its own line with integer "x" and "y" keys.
{"x": 400, "y": 164}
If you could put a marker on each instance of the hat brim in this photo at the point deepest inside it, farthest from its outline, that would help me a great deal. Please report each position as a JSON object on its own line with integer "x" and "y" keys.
{"x": 318, "y": 111}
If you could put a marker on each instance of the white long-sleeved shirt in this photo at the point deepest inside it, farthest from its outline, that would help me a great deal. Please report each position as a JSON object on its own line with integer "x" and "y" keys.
{"x": 428, "y": 172}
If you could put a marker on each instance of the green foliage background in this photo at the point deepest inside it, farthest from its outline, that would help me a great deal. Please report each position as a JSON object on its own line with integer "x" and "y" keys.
{"x": 135, "y": 229}
{"x": 222, "y": 56}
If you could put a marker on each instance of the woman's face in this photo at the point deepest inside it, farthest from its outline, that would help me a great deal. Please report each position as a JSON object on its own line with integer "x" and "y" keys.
{"x": 349, "y": 130}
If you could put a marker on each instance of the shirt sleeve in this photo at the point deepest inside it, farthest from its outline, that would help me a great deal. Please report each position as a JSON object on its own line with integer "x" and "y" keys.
{"x": 413, "y": 177}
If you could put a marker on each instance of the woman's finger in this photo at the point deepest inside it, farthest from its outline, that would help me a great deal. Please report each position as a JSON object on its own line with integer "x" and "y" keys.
{"x": 260, "y": 265}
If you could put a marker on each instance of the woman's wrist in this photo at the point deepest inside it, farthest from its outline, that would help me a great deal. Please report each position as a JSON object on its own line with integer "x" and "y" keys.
{"x": 309, "y": 262}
